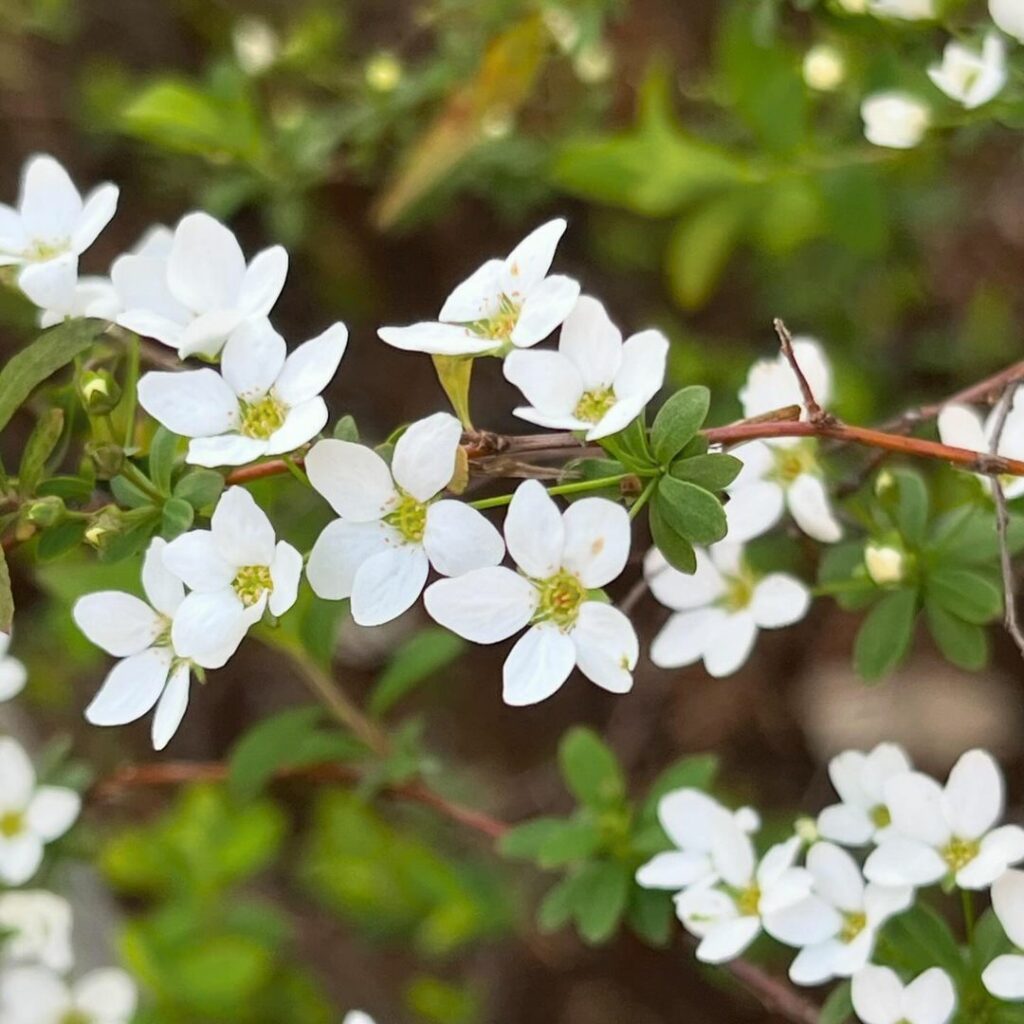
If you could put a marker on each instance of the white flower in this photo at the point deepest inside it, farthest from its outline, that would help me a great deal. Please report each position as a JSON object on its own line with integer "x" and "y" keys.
{"x": 1009, "y": 16}
{"x": 879, "y": 997}
{"x": 12, "y": 672}
{"x": 357, "y": 1017}
{"x": 594, "y": 382}
{"x": 393, "y": 525}
{"x": 886, "y": 565}
{"x": 906, "y": 10}
{"x": 193, "y": 293}
{"x": 30, "y": 815}
{"x": 562, "y": 558}
{"x": 728, "y": 913}
{"x": 1004, "y": 976}
{"x": 50, "y": 229}
{"x": 940, "y": 833}
{"x": 860, "y": 779}
{"x": 835, "y": 928}
{"x": 263, "y": 401}
{"x": 824, "y": 68}
{"x": 151, "y": 672}
{"x": 689, "y": 818}
{"x": 969, "y": 77}
{"x": 35, "y": 995}
{"x": 719, "y": 609}
{"x": 38, "y": 927}
{"x": 235, "y": 571}
{"x": 771, "y": 383}
{"x": 895, "y": 119}
{"x": 509, "y": 303}
{"x": 962, "y": 427}
{"x": 90, "y": 297}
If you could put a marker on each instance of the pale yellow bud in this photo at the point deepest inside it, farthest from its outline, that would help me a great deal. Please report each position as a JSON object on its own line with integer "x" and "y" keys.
{"x": 807, "y": 830}
{"x": 594, "y": 63}
{"x": 256, "y": 45}
{"x": 885, "y": 564}
{"x": 384, "y": 72}
{"x": 824, "y": 68}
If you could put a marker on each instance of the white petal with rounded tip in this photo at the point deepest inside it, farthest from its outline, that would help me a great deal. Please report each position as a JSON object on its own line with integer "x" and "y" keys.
{"x": 151, "y": 325}
{"x": 163, "y": 589}
{"x": 597, "y": 540}
{"x": 545, "y": 308}
{"x": 607, "y": 647}
{"x": 285, "y": 571}
{"x": 13, "y": 239}
{"x": 732, "y": 853}
{"x": 52, "y": 811}
{"x": 881, "y": 764}
{"x": 225, "y": 450}
{"x": 141, "y": 284}
{"x": 549, "y": 381}
{"x": 99, "y": 207}
{"x": 917, "y": 806}
{"x": 107, "y": 994}
{"x": 688, "y": 817}
{"x": 49, "y": 203}
{"x": 674, "y": 870}
{"x": 172, "y": 706}
{"x": 810, "y": 506}
{"x": 196, "y": 403}
{"x": 354, "y": 479}
{"x": 437, "y": 339}
{"x": 565, "y": 421}
{"x": 617, "y": 418}
{"x": 20, "y": 858}
{"x": 195, "y": 559}
{"x": 592, "y": 343}
{"x": 206, "y": 334}
{"x": 243, "y": 533}
{"x": 898, "y": 861}
{"x": 779, "y": 600}
{"x": 534, "y": 531}
{"x": 205, "y": 267}
{"x": 776, "y": 875}
{"x": 50, "y": 285}
{"x": 850, "y": 826}
{"x": 999, "y": 849}
{"x": 340, "y": 549}
{"x": 13, "y": 677}
{"x": 209, "y": 627}
{"x": 679, "y": 591}
{"x": 644, "y": 356}
{"x": 131, "y": 689}
{"x": 703, "y": 907}
{"x": 810, "y": 921}
{"x": 17, "y": 776}
{"x": 961, "y": 427}
{"x": 476, "y": 298}
{"x": 683, "y": 639}
{"x": 458, "y": 539}
{"x": 758, "y": 461}
{"x": 836, "y": 877}
{"x": 33, "y": 995}
{"x": 424, "y": 458}
{"x": 357, "y": 1017}
{"x": 484, "y": 606}
{"x": 930, "y": 998}
{"x": 728, "y": 643}
{"x": 846, "y": 771}
{"x": 302, "y": 423}
{"x": 877, "y": 995}
{"x": 973, "y": 797}
{"x": 1008, "y": 902}
{"x": 883, "y": 901}
{"x": 253, "y": 357}
{"x": 312, "y": 366}
{"x": 263, "y": 281}
{"x": 1004, "y": 977}
{"x": 753, "y": 510}
{"x": 528, "y": 263}
{"x": 119, "y": 623}
{"x": 388, "y": 584}
{"x": 728, "y": 940}
{"x": 537, "y": 666}
{"x": 818, "y": 963}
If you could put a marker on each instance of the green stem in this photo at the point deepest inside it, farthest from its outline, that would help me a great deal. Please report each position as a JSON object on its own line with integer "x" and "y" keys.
{"x": 296, "y": 471}
{"x": 645, "y": 496}
{"x": 577, "y": 487}
{"x": 967, "y": 902}
{"x": 137, "y": 477}
{"x": 131, "y": 398}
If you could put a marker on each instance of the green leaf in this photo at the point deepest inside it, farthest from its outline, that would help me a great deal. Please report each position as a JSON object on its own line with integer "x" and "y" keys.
{"x": 912, "y": 507}
{"x": 842, "y": 571}
{"x": 590, "y": 769}
{"x": 678, "y": 421}
{"x": 163, "y": 450}
{"x": 455, "y": 373}
{"x": 50, "y": 352}
{"x": 967, "y": 536}
{"x": 60, "y": 539}
{"x": 838, "y": 1007}
{"x": 963, "y": 643}
{"x": 885, "y": 634}
{"x": 556, "y": 908}
{"x": 128, "y": 494}
{"x": 629, "y": 447}
{"x": 919, "y": 939}
{"x": 424, "y": 654}
{"x": 75, "y": 489}
{"x": 346, "y": 430}
{"x": 695, "y": 772}
{"x": 38, "y": 450}
{"x": 599, "y": 895}
{"x": 701, "y": 245}
{"x": 989, "y": 941}
{"x": 200, "y": 488}
{"x": 573, "y": 840}
{"x": 966, "y": 594}
{"x": 650, "y": 915}
{"x": 692, "y": 512}
{"x": 176, "y": 518}
{"x": 677, "y": 550}
{"x": 712, "y": 472}
{"x": 524, "y": 842}
{"x": 6, "y": 597}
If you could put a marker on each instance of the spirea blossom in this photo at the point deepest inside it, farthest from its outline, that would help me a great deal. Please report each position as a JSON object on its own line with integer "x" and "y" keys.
{"x": 35, "y": 927}
{"x": 1009, "y": 16}
{"x": 962, "y": 427}
{"x": 879, "y": 997}
{"x": 263, "y": 401}
{"x": 562, "y": 558}
{"x": 507, "y": 304}
{"x": 969, "y": 77}
{"x": 1004, "y": 976}
{"x": 36, "y": 995}
{"x": 595, "y": 382}
{"x": 895, "y": 120}
{"x": 771, "y": 384}
{"x": 12, "y": 672}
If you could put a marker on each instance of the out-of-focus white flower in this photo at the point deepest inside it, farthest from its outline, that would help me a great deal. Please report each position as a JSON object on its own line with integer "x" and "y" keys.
{"x": 51, "y": 227}
{"x": 947, "y": 832}
{"x": 689, "y": 818}
{"x": 357, "y": 1017}
{"x": 151, "y": 673}
{"x": 235, "y": 571}
{"x": 1004, "y": 976}
{"x": 854, "y": 6}
{"x": 962, "y": 427}
{"x": 860, "y": 779}
{"x": 35, "y": 995}
{"x": 771, "y": 383}
{"x": 263, "y": 402}
{"x": 38, "y": 927}
{"x": 256, "y": 45}
{"x": 392, "y": 524}
{"x": 506, "y": 304}
{"x": 841, "y": 908}
{"x": 90, "y": 297}
{"x": 905, "y": 10}
{"x": 12, "y": 672}
{"x": 594, "y": 63}
{"x": 719, "y": 609}
{"x": 1009, "y": 16}
{"x": 895, "y": 120}
{"x": 30, "y": 815}
{"x": 195, "y": 291}
{"x": 594, "y": 382}
{"x": 383, "y": 72}
{"x": 824, "y": 68}
{"x": 879, "y": 997}
{"x": 886, "y": 565}
{"x": 969, "y": 77}
{"x": 562, "y": 558}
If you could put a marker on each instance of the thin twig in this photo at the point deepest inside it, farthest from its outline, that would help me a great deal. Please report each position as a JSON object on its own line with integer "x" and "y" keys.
{"x": 815, "y": 413}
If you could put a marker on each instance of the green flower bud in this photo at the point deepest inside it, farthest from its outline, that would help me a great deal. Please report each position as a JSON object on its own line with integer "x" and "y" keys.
{"x": 886, "y": 565}
{"x": 99, "y": 392}
{"x": 104, "y": 526}
{"x": 107, "y": 459}
{"x": 44, "y": 512}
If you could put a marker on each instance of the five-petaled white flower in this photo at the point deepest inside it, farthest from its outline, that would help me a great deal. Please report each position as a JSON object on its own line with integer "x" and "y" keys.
{"x": 151, "y": 672}
{"x": 879, "y": 997}
{"x": 940, "y": 833}
{"x": 30, "y": 815}
{"x": 235, "y": 570}
{"x": 562, "y": 558}
{"x": 50, "y": 229}
{"x": 835, "y": 928}
{"x": 193, "y": 293}
{"x": 393, "y": 523}
{"x": 689, "y": 818}
{"x": 35, "y": 995}
{"x": 962, "y": 427}
{"x": 1009, "y": 16}
{"x": 506, "y": 304}
{"x": 12, "y": 672}
{"x": 36, "y": 928}
{"x": 862, "y": 816}
{"x": 906, "y": 10}
{"x": 969, "y": 77}
{"x": 263, "y": 402}
{"x": 718, "y": 610}
{"x": 895, "y": 120}
{"x": 1004, "y": 976}
{"x": 594, "y": 382}
{"x": 728, "y": 911}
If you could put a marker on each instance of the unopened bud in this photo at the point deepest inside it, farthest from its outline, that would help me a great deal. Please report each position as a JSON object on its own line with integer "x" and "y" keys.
{"x": 854, "y": 6}
{"x": 883, "y": 482}
{"x": 885, "y": 564}
{"x": 594, "y": 63}
{"x": 44, "y": 512}
{"x": 807, "y": 830}
{"x": 383, "y": 72}
{"x": 824, "y": 68}
{"x": 256, "y": 45}
{"x": 104, "y": 527}
{"x": 107, "y": 459}
{"x": 99, "y": 392}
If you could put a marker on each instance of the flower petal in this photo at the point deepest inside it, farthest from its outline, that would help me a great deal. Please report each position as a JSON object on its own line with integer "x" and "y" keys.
{"x": 683, "y": 639}
{"x": 437, "y": 339}
{"x": 263, "y": 281}
{"x": 241, "y": 529}
{"x": 476, "y": 298}
{"x": 20, "y": 858}
{"x": 13, "y": 676}
{"x": 353, "y": 478}
{"x": 1008, "y": 902}
{"x": 845, "y": 824}
{"x": 253, "y": 357}
{"x": 753, "y": 510}
{"x": 119, "y": 623}
{"x": 52, "y": 811}
{"x": 302, "y": 423}
{"x": 205, "y": 267}
{"x": 837, "y": 877}
{"x": 732, "y": 853}
{"x": 1001, "y": 848}
{"x": 688, "y": 817}
{"x": 930, "y": 998}
{"x": 644, "y": 356}
{"x": 528, "y": 263}
{"x": 1004, "y": 977}
{"x": 973, "y": 797}
{"x": 424, "y": 458}
{"x": 51, "y": 285}
{"x": 458, "y": 539}
{"x": 99, "y": 207}
{"x": 107, "y": 995}
{"x": 810, "y": 506}
{"x": 312, "y": 366}
{"x": 225, "y": 450}
{"x": 597, "y": 540}
{"x": 607, "y": 647}
{"x": 49, "y": 204}
{"x": 545, "y": 308}
{"x": 164, "y": 590}
{"x": 484, "y": 606}
{"x": 680, "y": 591}
{"x": 196, "y": 559}
{"x": 209, "y": 627}
{"x": 674, "y": 870}
{"x": 32, "y": 994}
{"x": 961, "y": 427}
{"x": 534, "y": 531}
{"x": 917, "y": 806}
{"x": 196, "y": 403}
{"x": 537, "y": 665}
{"x": 728, "y": 939}
{"x": 807, "y": 923}
{"x": 17, "y": 776}
{"x": 779, "y": 600}
{"x": 131, "y": 689}
{"x": 877, "y": 995}
{"x": 340, "y": 550}
{"x": 172, "y": 706}
{"x": 728, "y": 644}
{"x": 591, "y": 343}
{"x": 388, "y": 584}
{"x": 549, "y": 381}
{"x": 206, "y": 334}
{"x": 285, "y": 573}
{"x": 898, "y": 861}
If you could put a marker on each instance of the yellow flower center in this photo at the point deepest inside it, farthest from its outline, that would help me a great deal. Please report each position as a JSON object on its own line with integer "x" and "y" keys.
{"x": 251, "y": 582}
{"x": 792, "y": 461}
{"x": 560, "y": 598}
{"x": 12, "y": 823}
{"x": 409, "y": 519}
{"x": 40, "y": 251}
{"x": 958, "y": 853}
{"x": 853, "y": 925}
{"x": 75, "y": 1017}
{"x": 502, "y": 324}
{"x": 748, "y": 901}
{"x": 263, "y": 417}
{"x": 881, "y": 817}
{"x": 594, "y": 404}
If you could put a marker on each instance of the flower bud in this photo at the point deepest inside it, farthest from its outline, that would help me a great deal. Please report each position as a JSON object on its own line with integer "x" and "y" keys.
{"x": 104, "y": 526}
{"x": 256, "y": 45}
{"x": 895, "y": 120}
{"x": 807, "y": 830}
{"x": 824, "y": 68}
{"x": 107, "y": 459}
{"x": 383, "y": 72}
{"x": 854, "y": 6}
{"x": 44, "y": 512}
{"x": 99, "y": 392}
{"x": 886, "y": 565}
